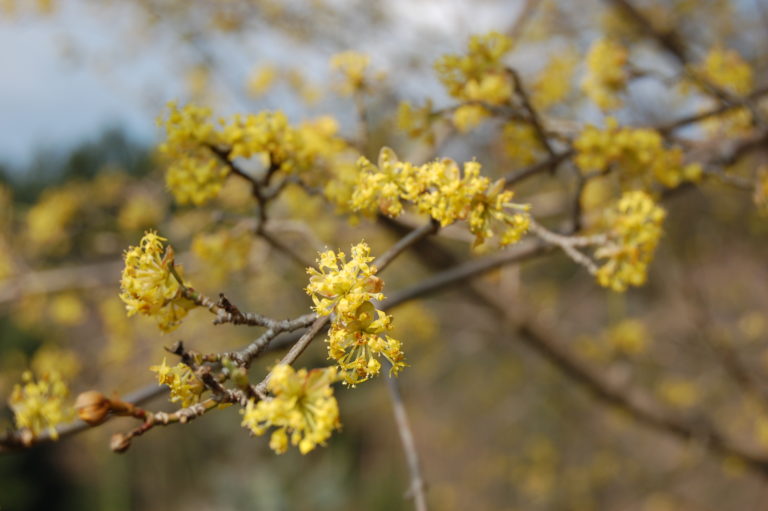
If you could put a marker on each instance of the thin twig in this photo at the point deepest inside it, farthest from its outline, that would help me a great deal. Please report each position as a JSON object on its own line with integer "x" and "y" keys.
{"x": 569, "y": 244}
{"x": 534, "y": 118}
{"x": 525, "y": 15}
{"x": 418, "y": 485}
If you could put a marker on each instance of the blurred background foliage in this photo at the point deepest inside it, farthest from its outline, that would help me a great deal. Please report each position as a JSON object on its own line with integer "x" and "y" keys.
{"x": 497, "y": 426}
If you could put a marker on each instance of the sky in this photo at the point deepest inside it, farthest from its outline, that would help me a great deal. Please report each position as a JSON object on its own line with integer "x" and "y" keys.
{"x": 68, "y": 77}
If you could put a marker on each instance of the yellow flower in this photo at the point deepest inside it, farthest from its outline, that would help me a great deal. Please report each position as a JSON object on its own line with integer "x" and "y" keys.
{"x": 489, "y": 213}
{"x": 678, "y": 393}
{"x": 48, "y": 221}
{"x": 727, "y": 69}
{"x": 521, "y": 143}
{"x": 381, "y": 187}
{"x": 184, "y": 385}
{"x": 352, "y": 66}
{"x": 194, "y": 175}
{"x": 629, "y": 337}
{"x": 416, "y": 122}
{"x": 140, "y": 211}
{"x": 286, "y": 148}
{"x": 441, "y": 190}
{"x": 480, "y": 74}
{"x": 50, "y": 358}
{"x": 39, "y": 405}
{"x": 491, "y": 88}
{"x": 148, "y": 287}
{"x": 553, "y": 83}
{"x": 223, "y": 251}
{"x": 195, "y": 148}
{"x": 638, "y": 153}
{"x": 341, "y": 286}
{"x": 67, "y": 309}
{"x": 357, "y": 344}
{"x": 634, "y": 234}
{"x": 358, "y": 335}
{"x": 606, "y": 73}
{"x": 261, "y": 80}
{"x": 302, "y": 408}
{"x": 467, "y": 117}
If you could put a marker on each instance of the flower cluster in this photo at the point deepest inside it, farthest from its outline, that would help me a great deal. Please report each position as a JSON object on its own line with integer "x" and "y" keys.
{"x": 553, "y": 83}
{"x": 196, "y": 147}
{"x": 520, "y": 143}
{"x": 302, "y": 408}
{"x": 358, "y": 336}
{"x": 635, "y": 229}
{"x": 639, "y": 154}
{"x": 478, "y": 76}
{"x": 727, "y": 69}
{"x": 284, "y": 147}
{"x": 48, "y": 222}
{"x": 194, "y": 175}
{"x": 39, "y": 404}
{"x": 148, "y": 285}
{"x": 441, "y": 190}
{"x": 606, "y": 73}
{"x": 261, "y": 80}
{"x": 416, "y": 122}
{"x": 629, "y": 338}
{"x": 181, "y": 380}
{"x": 223, "y": 251}
{"x": 352, "y": 65}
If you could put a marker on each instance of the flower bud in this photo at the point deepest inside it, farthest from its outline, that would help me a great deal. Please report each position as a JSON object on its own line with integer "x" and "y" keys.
{"x": 120, "y": 442}
{"x": 92, "y": 407}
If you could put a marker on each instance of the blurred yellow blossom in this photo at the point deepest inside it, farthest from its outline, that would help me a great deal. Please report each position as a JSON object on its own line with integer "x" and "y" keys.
{"x": 39, "y": 404}
{"x": 198, "y": 80}
{"x": 638, "y": 153}
{"x": 466, "y": 117}
{"x": 629, "y": 337}
{"x": 727, "y": 69}
{"x": 67, "y": 309}
{"x": 553, "y": 83}
{"x": 50, "y": 358}
{"x": 194, "y": 175}
{"x": 261, "y": 80}
{"x": 463, "y": 75}
{"x": 606, "y": 73}
{"x": 416, "y": 122}
{"x": 634, "y": 232}
{"x": 352, "y": 65}
{"x": 118, "y": 331}
{"x": 520, "y": 143}
{"x": 307, "y": 91}
{"x": 753, "y": 324}
{"x": 48, "y": 221}
{"x": 140, "y": 211}
{"x": 678, "y": 392}
{"x": 478, "y": 76}
{"x": 302, "y": 407}
{"x": 223, "y": 251}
